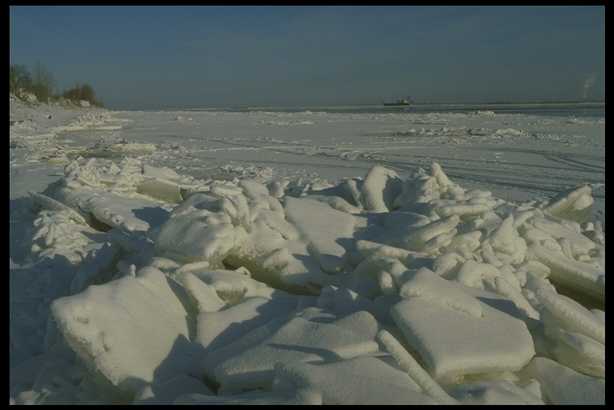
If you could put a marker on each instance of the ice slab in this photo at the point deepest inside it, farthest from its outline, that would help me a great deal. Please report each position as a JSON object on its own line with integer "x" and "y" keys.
{"x": 218, "y": 329}
{"x": 133, "y": 330}
{"x": 562, "y": 385}
{"x": 298, "y": 340}
{"x": 494, "y": 342}
{"x": 324, "y": 228}
{"x": 358, "y": 381}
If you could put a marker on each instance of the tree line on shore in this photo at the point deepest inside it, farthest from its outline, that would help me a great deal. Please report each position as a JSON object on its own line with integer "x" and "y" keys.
{"x": 40, "y": 82}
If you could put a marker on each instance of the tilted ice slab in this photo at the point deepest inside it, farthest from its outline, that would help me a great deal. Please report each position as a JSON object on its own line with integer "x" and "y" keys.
{"x": 562, "y": 385}
{"x": 579, "y": 276}
{"x": 102, "y": 208}
{"x": 133, "y": 330}
{"x": 218, "y": 329}
{"x": 298, "y": 339}
{"x": 573, "y": 205}
{"x": 358, "y": 381}
{"x": 494, "y": 342}
{"x": 323, "y": 228}
{"x": 380, "y": 188}
{"x": 571, "y": 334}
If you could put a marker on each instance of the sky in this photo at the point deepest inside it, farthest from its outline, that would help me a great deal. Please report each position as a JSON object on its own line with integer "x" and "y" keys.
{"x": 144, "y": 57}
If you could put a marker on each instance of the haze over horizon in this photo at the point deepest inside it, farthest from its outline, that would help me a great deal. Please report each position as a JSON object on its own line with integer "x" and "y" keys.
{"x": 169, "y": 56}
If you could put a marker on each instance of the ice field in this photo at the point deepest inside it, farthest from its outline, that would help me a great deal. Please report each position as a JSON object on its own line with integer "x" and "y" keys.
{"x": 215, "y": 257}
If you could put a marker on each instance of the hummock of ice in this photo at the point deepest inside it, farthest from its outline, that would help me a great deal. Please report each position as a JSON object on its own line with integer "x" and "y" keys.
{"x": 380, "y": 290}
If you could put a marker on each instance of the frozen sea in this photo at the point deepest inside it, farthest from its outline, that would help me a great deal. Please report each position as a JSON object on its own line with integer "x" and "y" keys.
{"x": 517, "y": 153}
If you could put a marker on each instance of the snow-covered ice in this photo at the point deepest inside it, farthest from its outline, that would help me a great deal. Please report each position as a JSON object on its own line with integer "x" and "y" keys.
{"x": 211, "y": 257}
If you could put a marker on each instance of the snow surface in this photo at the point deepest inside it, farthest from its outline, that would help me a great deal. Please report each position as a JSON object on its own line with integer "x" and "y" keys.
{"x": 305, "y": 258}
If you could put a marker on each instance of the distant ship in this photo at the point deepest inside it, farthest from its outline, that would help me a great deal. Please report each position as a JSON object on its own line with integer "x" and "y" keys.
{"x": 398, "y": 103}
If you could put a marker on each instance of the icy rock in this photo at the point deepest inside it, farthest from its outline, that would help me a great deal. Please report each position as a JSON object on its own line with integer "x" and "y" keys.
{"x": 134, "y": 331}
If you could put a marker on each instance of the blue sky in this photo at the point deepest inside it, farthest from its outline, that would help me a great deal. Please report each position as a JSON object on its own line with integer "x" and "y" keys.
{"x": 170, "y": 56}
